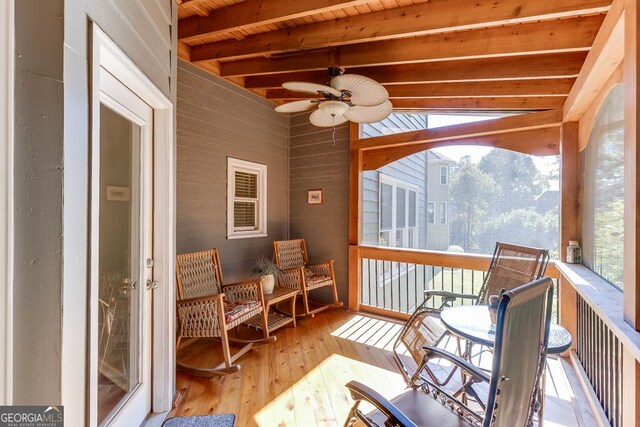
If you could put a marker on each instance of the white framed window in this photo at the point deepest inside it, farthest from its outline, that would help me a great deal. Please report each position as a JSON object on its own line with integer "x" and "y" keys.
{"x": 246, "y": 199}
{"x": 444, "y": 175}
{"x": 431, "y": 212}
{"x": 443, "y": 213}
{"x": 398, "y": 213}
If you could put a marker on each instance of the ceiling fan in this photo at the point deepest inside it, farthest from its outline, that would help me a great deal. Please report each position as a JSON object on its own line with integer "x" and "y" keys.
{"x": 347, "y": 97}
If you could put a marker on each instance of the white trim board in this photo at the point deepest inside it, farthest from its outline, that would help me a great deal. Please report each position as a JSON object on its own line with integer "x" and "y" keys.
{"x": 7, "y": 40}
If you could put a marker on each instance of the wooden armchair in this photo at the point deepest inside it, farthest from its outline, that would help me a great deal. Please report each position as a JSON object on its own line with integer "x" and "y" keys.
{"x": 207, "y": 308}
{"x": 522, "y": 335}
{"x": 296, "y": 273}
{"x": 511, "y": 266}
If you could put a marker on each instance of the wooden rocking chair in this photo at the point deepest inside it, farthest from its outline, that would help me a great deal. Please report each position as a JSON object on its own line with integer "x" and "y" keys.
{"x": 208, "y": 309}
{"x": 296, "y": 273}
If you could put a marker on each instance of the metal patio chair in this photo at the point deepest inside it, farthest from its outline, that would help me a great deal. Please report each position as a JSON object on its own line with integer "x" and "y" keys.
{"x": 522, "y": 334}
{"x": 297, "y": 273}
{"x": 207, "y": 308}
{"x": 511, "y": 266}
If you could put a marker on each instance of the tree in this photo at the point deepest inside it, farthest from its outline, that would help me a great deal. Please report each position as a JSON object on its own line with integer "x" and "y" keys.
{"x": 469, "y": 194}
{"x": 518, "y": 181}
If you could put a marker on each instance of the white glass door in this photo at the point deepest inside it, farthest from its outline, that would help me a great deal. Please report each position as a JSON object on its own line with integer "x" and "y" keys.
{"x": 121, "y": 267}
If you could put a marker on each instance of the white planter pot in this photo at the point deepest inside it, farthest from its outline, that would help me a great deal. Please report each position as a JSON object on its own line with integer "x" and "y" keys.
{"x": 267, "y": 282}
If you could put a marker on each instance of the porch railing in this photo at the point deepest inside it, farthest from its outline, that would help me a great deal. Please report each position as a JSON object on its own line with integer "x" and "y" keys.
{"x": 392, "y": 281}
{"x": 600, "y": 354}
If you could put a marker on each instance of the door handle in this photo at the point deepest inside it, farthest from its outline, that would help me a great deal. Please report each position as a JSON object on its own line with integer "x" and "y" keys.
{"x": 152, "y": 284}
{"x": 129, "y": 284}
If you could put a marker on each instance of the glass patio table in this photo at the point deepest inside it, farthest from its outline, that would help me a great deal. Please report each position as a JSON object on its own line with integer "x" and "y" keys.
{"x": 473, "y": 324}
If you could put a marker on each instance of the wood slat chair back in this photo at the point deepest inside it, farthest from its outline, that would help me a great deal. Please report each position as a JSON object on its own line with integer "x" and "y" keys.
{"x": 291, "y": 253}
{"x": 198, "y": 274}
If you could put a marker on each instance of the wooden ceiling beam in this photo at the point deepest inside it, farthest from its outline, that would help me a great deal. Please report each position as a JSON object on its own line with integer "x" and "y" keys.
{"x": 254, "y": 13}
{"x": 604, "y": 57}
{"x": 575, "y": 34}
{"x": 559, "y": 65}
{"x": 466, "y": 130}
{"x": 414, "y": 20}
{"x": 506, "y": 88}
{"x": 537, "y": 142}
{"x": 481, "y": 104}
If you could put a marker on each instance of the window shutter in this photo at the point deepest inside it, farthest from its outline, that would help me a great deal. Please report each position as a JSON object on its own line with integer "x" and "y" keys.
{"x": 246, "y": 185}
{"x": 244, "y": 215}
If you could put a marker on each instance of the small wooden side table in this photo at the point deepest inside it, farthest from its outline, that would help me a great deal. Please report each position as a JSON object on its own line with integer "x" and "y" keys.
{"x": 275, "y": 318}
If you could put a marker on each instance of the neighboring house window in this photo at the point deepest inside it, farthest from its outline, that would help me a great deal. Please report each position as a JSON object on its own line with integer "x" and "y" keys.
{"x": 431, "y": 212}
{"x": 246, "y": 199}
{"x": 443, "y": 212}
{"x": 398, "y": 213}
{"x": 444, "y": 175}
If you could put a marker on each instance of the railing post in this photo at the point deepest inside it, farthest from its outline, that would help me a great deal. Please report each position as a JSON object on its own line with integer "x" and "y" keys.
{"x": 567, "y": 306}
{"x": 630, "y": 395}
{"x": 355, "y": 278}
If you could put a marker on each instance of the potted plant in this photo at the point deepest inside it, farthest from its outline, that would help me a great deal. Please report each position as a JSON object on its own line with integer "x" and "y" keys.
{"x": 269, "y": 272}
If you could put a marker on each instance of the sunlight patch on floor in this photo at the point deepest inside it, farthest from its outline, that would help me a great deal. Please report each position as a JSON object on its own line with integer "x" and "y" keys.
{"x": 305, "y": 402}
{"x": 369, "y": 331}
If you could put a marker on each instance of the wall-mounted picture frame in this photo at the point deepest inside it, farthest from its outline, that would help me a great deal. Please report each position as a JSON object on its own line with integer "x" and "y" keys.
{"x": 314, "y": 197}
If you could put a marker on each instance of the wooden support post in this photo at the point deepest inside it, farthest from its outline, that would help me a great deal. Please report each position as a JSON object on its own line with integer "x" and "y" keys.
{"x": 355, "y": 278}
{"x": 570, "y": 175}
{"x": 355, "y": 176}
{"x": 631, "y": 171}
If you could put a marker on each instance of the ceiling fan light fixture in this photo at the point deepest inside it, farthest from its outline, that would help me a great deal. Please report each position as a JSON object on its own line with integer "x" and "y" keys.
{"x": 334, "y": 108}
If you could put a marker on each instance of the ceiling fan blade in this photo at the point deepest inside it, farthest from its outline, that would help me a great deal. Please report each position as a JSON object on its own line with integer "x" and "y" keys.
{"x": 375, "y": 114}
{"x": 297, "y": 106}
{"x": 314, "y": 88}
{"x": 365, "y": 92}
{"x": 321, "y": 119}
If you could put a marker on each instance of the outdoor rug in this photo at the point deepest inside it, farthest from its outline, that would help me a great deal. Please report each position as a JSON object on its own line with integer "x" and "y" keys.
{"x": 221, "y": 420}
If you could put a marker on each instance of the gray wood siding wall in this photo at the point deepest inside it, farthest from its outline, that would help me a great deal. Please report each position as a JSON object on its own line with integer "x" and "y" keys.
{"x": 314, "y": 163}
{"x": 38, "y": 180}
{"x": 217, "y": 119}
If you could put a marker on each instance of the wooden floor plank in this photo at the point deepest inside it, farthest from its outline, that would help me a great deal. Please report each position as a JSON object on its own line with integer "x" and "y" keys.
{"x": 298, "y": 381}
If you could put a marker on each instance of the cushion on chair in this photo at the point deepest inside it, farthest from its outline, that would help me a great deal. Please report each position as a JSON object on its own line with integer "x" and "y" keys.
{"x": 237, "y": 309}
{"x": 314, "y": 281}
{"x": 423, "y": 410}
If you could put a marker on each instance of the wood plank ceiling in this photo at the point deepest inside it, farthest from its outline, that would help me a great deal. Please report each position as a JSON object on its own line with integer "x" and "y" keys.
{"x": 430, "y": 54}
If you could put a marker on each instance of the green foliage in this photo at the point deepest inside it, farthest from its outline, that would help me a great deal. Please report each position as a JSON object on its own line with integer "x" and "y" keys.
{"x": 265, "y": 266}
{"x": 517, "y": 179}
{"x": 495, "y": 200}
{"x": 469, "y": 193}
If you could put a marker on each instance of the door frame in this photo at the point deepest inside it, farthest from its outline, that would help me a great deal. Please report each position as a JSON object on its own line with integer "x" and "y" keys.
{"x": 105, "y": 54}
{"x": 7, "y": 43}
